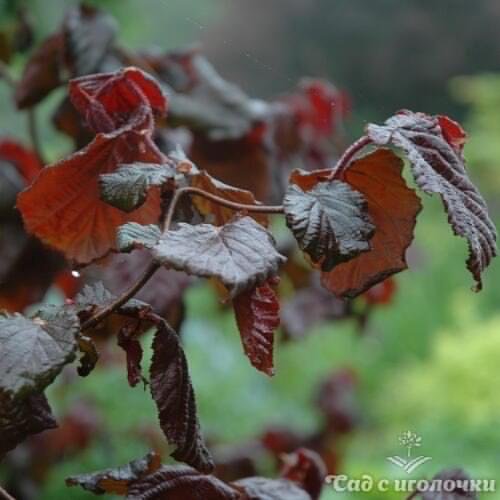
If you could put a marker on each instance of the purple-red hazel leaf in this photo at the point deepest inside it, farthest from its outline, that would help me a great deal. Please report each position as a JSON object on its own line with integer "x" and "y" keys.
{"x": 433, "y": 146}
{"x": 257, "y": 316}
{"x": 173, "y": 393}
{"x": 241, "y": 253}
{"x": 393, "y": 208}
{"x": 329, "y": 221}
{"x": 34, "y": 351}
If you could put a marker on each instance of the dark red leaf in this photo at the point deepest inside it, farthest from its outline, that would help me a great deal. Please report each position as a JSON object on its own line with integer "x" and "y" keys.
{"x": 336, "y": 398}
{"x": 306, "y": 469}
{"x": 257, "y": 317}
{"x": 310, "y": 306}
{"x": 108, "y": 101}
{"x": 242, "y": 162}
{"x": 382, "y": 293}
{"x": 42, "y": 73}
{"x": 63, "y": 206}
{"x": 433, "y": 146}
{"x": 393, "y": 208}
{"x": 25, "y": 160}
{"x": 173, "y": 393}
{"x": 215, "y": 213}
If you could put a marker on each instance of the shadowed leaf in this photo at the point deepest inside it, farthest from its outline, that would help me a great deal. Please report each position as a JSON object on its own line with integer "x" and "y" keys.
{"x": 22, "y": 417}
{"x": 42, "y": 73}
{"x": 88, "y": 36}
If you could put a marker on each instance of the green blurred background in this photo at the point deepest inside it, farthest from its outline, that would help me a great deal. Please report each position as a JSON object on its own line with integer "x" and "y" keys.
{"x": 429, "y": 362}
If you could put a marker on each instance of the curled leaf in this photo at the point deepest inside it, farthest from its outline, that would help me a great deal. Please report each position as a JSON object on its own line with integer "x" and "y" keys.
{"x": 109, "y": 101}
{"x": 393, "y": 208}
{"x": 117, "y": 480}
{"x": 433, "y": 146}
{"x": 241, "y": 253}
{"x": 329, "y": 221}
{"x": 257, "y": 317}
{"x": 173, "y": 393}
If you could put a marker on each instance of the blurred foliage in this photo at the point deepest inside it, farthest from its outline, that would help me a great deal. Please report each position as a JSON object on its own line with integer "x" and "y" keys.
{"x": 429, "y": 362}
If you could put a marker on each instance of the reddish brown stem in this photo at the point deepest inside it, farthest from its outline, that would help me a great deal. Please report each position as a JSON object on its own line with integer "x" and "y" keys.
{"x": 153, "y": 266}
{"x": 348, "y": 156}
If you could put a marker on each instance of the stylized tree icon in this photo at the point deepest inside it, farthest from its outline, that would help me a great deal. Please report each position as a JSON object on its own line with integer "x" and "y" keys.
{"x": 410, "y": 440}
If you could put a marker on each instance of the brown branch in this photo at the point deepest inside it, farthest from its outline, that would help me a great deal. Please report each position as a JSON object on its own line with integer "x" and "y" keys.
{"x": 348, "y": 156}
{"x": 4, "y": 495}
{"x": 260, "y": 209}
{"x": 125, "y": 297}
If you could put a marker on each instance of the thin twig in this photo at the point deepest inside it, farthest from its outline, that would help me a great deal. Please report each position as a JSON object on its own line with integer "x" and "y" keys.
{"x": 34, "y": 136}
{"x": 154, "y": 266}
{"x": 4, "y": 495}
{"x": 348, "y": 156}
{"x": 125, "y": 297}
{"x": 260, "y": 209}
